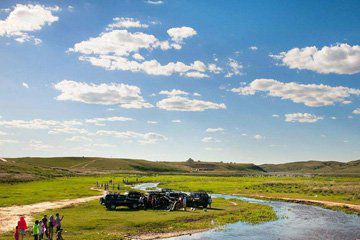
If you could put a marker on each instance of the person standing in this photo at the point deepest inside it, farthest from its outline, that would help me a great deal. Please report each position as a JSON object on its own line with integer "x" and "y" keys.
{"x": 36, "y": 230}
{"x": 52, "y": 224}
{"x": 16, "y": 233}
{"x": 184, "y": 200}
{"x": 22, "y": 227}
{"x": 210, "y": 201}
{"x": 58, "y": 221}
{"x": 45, "y": 223}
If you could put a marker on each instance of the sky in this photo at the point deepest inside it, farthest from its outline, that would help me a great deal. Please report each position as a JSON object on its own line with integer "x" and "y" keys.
{"x": 233, "y": 81}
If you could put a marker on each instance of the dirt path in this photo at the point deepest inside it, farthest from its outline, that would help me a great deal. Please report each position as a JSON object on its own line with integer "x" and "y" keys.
{"x": 9, "y": 216}
{"x": 353, "y": 207}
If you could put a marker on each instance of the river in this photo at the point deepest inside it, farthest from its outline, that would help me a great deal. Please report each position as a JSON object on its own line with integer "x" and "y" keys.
{"x": 296, "y": 222}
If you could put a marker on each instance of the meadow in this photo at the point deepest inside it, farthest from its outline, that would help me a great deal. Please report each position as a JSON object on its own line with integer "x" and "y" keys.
{"x": 92, "y": 221}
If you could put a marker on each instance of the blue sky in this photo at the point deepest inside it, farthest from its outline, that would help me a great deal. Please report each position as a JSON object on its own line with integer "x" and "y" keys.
{"x": 253, "y": 81}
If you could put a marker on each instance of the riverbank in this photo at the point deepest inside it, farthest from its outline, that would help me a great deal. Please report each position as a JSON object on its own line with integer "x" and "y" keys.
{"x": 345, "y": 207}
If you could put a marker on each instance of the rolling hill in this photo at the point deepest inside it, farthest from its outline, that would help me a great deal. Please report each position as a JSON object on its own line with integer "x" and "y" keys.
{"x": 32, "y": 168}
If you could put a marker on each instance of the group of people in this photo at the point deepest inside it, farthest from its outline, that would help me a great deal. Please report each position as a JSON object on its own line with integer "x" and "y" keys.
{"x": 42, "y": 229}
{"x": 106, "y": 186}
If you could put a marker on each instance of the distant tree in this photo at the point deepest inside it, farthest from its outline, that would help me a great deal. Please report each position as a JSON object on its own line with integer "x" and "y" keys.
{"x": 190, "y": 160}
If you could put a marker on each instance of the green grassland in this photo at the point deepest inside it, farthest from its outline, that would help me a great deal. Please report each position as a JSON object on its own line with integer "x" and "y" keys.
{"x": 28, "y": 169}
{"x": 92, "y": 221}
{"x": 338, "y": 189}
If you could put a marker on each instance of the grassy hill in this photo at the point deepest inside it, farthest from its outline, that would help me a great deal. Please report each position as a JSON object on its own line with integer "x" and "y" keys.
{"x": 315, "y": 167}
{"x": 25, "y": 169}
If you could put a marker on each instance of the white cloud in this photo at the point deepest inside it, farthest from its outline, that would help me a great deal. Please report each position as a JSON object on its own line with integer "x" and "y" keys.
{"x": 214, "y": 68}
{"x": 339, "y": 59}
{"x": 197, "y": 94}
{"x": 79, "y": 139}
{"x": 253, "y": 48}
{"x": 122, "y": 22}
{"x": 3, "y": 133}
{"x": 275, "y": 116}
{"x": 196, "y": 75}
{"x": 39, "y": 145}
{"x": 25, "y": 19}
{"x": 211, "y": 130}
{"x": 154, "y": 2}
{"x": 176, "y": 121}
{"x": 235, "y": 68}
{"x": 302, "y": 117}
{"x": 126, "y": 96}
{"x": 143, "y": 138}
{"x": 101, "y": 121}
{"x": 350, "y": 117}
{"x": 70, "y": 8}
{"x": 37, "y": 124}
{"x": 333, "y": 118}
{"x": 356, "y": 111}
{"x": 138, "y": 57}
{"x": 25, "y": 85}
{"x": 312, "y": 95}
{"x": 178, "y": 34}
{"x": 259, "y": 137}
{"x": 210, "y": 140}
{"x": 152, "y": 122}
{"x": 173, "y": 92}
{"x": 177, "y": 103}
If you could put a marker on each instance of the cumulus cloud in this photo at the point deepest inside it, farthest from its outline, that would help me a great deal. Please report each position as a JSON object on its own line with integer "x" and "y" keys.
{"x": 356, "y": 111}
{"x": 196, "y": 75}
{"x": 275, "y": 116}
{"x": 178, "y": 34}
{"x": 197, "y": 94}
{"x": 25, "y": 85}
{"x": 101, "y": 121}
{"x": 210, "y": 140}
{"x": 302, "y": 117}
{"x": 339, "y": 59}
{"x": 122, "y": 22}
{"x": 176, "y": 121}
{"x": 126, "y": 96}
{"x": 152, "y": 122}
{"x": 112, "y": 48}
{"x": 143, "y": 138}
{"x": 253, "y": 48}
{"x": 312, "y": 95}
{"x": 173, "y": 92}
{"x": 259, "y": 137}
{"x": 211, "y": 130}
{"x": 38, "y": 124}
{"x": 214, "y": 68}
{"x": 154, "y": 2}
{"x": 39, "y": 145}
{"x": 178, "y": 103}
{"x": 78, "y": 139}
{"x": 25, "y": 19}
{"x": 234, "y": 68}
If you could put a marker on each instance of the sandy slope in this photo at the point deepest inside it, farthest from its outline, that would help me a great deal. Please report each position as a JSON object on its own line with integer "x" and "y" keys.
{"x": 9, "y": 216}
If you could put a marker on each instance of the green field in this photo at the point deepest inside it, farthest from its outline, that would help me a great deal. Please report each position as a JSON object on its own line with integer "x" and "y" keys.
{"x": 92, "y": 221}
{"x": 339, "y": 189}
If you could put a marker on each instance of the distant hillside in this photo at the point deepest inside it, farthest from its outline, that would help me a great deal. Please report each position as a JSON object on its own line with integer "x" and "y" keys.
{"x": 25, "y": 169}
{"x": 315, "y": 167}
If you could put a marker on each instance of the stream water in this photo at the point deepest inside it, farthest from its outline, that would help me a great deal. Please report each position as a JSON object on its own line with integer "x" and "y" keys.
{"x": 296, "y": 222}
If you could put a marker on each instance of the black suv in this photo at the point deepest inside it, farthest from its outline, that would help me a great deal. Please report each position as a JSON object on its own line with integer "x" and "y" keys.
{"x": 198, "y": 199}
{"x": 131, "y": 200}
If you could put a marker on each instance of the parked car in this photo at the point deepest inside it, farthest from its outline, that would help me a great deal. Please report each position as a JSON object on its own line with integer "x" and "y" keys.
{"x": 198, "y": 199}
{"x": 131, "y": 200}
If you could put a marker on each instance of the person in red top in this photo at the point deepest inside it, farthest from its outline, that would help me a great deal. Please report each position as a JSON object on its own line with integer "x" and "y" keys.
{"x": 22, "y": 227}
{"x": 16, "y": 233}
